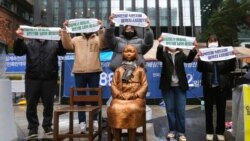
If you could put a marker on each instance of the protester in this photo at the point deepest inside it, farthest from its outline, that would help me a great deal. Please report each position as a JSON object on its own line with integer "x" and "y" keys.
{"x": 87, "y": 65}
{"x": 129, "y": 87}
{"x": 216, "y": 82}
{"x": 40, "y": 78}
{"x": 129, "y": 36}
{"x": 174, "y": 84}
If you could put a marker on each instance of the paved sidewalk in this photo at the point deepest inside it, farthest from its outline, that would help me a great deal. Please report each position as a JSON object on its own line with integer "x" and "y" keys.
{"x": 156, "y": 127}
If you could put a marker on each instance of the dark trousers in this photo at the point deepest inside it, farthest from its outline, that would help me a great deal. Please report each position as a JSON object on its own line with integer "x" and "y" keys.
{"x": 83, "y": 80}
{"x": 218, "y": 96}
{"x": 34, "y": 90}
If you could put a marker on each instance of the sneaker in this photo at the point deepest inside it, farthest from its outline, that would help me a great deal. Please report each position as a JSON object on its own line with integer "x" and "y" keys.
{"x": 32, "y": 134}
{"x": 220, "y": 137}
{"x": 48, "y": 131}
{"x": 95, "y": 125}
{"x": 182, "y": 138}
{"x": 209, "y": 137}
{"x": 170, "y": 135}
{"x": 83, "y": 127}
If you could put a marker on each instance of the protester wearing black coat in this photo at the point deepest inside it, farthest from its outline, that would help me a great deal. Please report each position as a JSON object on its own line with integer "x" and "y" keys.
{"x": 223, "y": 72}
{"x": 174, "y": 84}
{"x": 217, "y": 84}
{"x": 168, "y": 67}
{"x": 41, "y": 77}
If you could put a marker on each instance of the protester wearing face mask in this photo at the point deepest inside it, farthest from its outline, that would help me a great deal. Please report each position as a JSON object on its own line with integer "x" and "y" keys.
{"x": 173, "y": 86}
{"x": 41, "y": 76}
{"x": 128, "y": 36}
{"x": 213, "y": 44}
{"x": 216, "y": 86}
{"x": 87, "y": 66}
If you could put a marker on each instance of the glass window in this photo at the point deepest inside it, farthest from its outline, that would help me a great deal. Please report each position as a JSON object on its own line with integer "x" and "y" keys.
{"x": 103, "y": 11}
{"x": 44, "y": 4}
{"x": 5, "y": 3}
{"x": 79, "y": 9}
{"x": 55, "y": 12}
{"x": 197, "y": 13}
{"x": 151, "y": 11}
{"x": 115, "y": 5}
{"x": 174, "y": 13}
{"x": 20, "y": 12}
{"x": 44, "y": 10}
{"x": 139, "y": 5}
{"x": 163, "y": 12}
{"x": 128, "y": 5}
{"x": 91, "y": 9}
{"x": 186, "y": 13}
{"x": 30, "y": 17}
{"x": 68, "y": 9}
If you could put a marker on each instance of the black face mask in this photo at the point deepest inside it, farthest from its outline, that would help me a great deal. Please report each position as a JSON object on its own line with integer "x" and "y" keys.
{"x": 129, "y": 35}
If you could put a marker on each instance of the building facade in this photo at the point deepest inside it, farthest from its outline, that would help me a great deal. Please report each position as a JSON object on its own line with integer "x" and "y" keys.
{"x": 12, "y": 14}
{"x": 181, "y": 17}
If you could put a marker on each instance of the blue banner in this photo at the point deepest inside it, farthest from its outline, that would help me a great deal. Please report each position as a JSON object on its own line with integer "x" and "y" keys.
{"x": 153, "y": 76}
{"x": 17, "y": 64}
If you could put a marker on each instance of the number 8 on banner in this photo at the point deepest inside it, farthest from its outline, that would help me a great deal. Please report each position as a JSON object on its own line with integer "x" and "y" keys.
{"x": 105, "y": 79}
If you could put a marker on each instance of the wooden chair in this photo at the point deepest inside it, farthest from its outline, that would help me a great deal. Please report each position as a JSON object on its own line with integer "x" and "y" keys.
{"x": 72, "y": 108}
{"x": 143, "y": 134}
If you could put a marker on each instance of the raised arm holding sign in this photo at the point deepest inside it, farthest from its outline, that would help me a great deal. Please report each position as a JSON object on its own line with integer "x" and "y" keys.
{"x": 87, "y": 65}
{"x": 217, "y": 84}
{"x": 128, "y": 36}
{"x": 174, "y": 84}
{"x": 41, "y": 73}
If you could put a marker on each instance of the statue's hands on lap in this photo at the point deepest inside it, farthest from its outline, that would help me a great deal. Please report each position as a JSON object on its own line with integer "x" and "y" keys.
{"x": 133, "y": 96}
{"x": 127, "y": 96}
{"x": 120, "y": 96}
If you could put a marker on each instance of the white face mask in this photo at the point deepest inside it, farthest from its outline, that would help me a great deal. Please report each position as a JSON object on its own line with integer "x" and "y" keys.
{"x": 213, "y": 45}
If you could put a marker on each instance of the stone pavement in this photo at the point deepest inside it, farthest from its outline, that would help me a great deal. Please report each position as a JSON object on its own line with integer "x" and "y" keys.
{"x": 156, "y": 127}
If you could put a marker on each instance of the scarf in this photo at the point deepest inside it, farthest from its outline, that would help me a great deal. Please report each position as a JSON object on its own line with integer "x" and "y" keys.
{"x": 129, "y": 67}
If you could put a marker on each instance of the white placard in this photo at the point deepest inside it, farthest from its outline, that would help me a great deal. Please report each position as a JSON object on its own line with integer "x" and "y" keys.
{"x": 83, "y": 25}
{"x": 130, "y": 18}
{"x": 177, "y": 41}
{"x": 44, "y": 33}
{"x": 217, "y": 54}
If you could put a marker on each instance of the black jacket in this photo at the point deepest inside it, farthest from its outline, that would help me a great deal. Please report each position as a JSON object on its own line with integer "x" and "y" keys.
{"x": 41, "y": 57}
{"x": 168, "y": 68}
{"x": 223, "y": 72}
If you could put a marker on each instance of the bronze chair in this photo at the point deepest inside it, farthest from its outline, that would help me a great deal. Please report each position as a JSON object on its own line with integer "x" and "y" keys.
{"x": 143, "y": 134}
{"x": 72, "y": 108}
